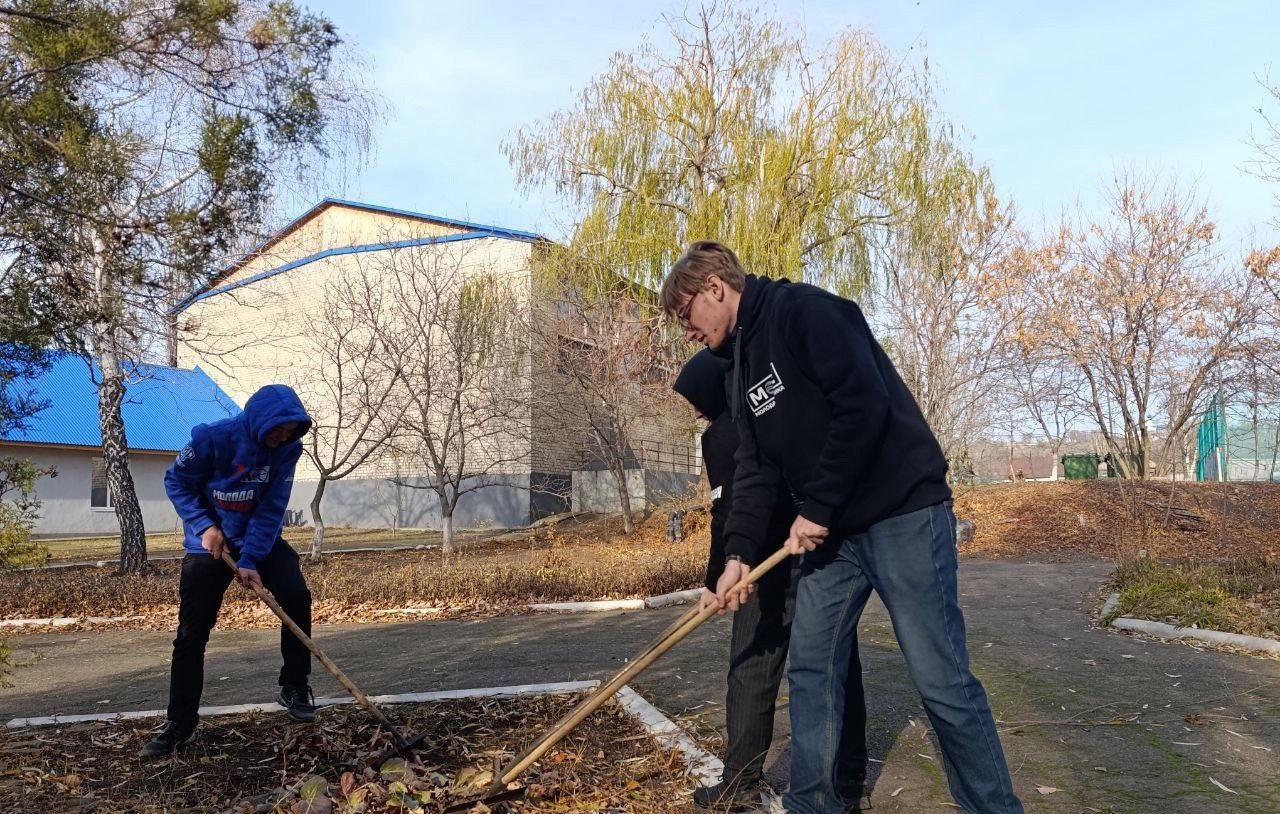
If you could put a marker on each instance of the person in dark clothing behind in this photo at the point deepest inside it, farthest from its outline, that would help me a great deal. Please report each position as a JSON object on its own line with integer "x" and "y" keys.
{"x": 819, "y": 406}
{"x": 762, "y": 627}
{"x": 230, "y": 486}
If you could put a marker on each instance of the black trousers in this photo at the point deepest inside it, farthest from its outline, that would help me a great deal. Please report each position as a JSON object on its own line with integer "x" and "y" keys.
{"x": 200, "y": 591}
{"x": 757, "y": 661}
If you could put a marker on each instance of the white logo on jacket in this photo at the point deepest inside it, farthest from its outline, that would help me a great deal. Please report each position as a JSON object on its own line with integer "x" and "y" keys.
{"x": 260, "y": 475}
{"x": 762, "y": 396}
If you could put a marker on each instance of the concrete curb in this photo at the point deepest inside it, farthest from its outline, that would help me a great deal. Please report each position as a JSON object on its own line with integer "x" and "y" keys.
{"x": 703, "y": 766}
{"x": 589, "y": 607}
{"x": 1109, "y": 605}
{"x": 598, "y": 605}
{"x": 63, "y": 621}
{"x": 676, "y": 598}
{"x": 402, "y": 698}
{"x": 1161, "y": 630}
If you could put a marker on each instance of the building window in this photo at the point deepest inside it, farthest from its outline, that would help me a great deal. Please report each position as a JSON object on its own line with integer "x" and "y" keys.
{"x": 99, "y": 491}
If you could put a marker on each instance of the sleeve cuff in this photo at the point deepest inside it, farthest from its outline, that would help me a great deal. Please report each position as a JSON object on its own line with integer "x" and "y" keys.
{"x": 202, "y": 525}
{"x": 740, "y": 545}
{"x": 819, "y": 513}
{"x": 247, "y": 561}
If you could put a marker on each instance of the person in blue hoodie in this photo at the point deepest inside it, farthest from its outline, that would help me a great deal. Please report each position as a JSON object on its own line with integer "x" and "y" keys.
{"x": 230, "y": 486}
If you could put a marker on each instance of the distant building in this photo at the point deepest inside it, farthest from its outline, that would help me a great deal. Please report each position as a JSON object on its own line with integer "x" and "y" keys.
{"x": 247, "y": 326}
{"x": 161, "y": 406}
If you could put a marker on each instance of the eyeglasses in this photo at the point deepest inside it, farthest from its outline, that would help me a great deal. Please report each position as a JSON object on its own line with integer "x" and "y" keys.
{"x": 686, "y": 312}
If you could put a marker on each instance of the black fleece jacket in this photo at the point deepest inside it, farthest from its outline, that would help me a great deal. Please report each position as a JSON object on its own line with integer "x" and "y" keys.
{"x": 819, "y": 406}
{"x": 704, "y": 383}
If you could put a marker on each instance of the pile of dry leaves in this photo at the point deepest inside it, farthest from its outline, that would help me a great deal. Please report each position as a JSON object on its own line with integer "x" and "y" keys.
{"x": 263, "y": 763}
{"x": 1113, "y": 518}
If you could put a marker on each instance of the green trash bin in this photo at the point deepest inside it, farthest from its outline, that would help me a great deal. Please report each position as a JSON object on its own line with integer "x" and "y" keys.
{"x": 1080, "y": 467}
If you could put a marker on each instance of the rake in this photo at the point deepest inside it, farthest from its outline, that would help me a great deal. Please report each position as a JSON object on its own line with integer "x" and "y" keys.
{"x": 502, "y": 787}
{"x": 400, "y": 744}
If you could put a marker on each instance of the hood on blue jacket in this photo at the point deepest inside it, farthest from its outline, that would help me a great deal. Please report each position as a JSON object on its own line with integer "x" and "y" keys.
{"x": 701, "y": 382}
{"x": 272, "y": 406}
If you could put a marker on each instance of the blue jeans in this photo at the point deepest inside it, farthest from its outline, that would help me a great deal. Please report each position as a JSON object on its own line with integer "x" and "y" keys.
{"x": 910, "y": 561}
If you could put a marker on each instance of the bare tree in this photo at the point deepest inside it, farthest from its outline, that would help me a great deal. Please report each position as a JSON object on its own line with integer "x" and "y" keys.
{"x": 1144, "y": 305}
{"x": 1046, "y": 391}
{"x": 452, "y": 336}
{"x": 939, "y": 318}
{"x": 350, "y": 390}
{"x": 609, "y": 361}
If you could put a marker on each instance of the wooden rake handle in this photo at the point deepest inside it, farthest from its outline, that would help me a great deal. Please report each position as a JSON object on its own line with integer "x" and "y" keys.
{"x": 348, "y": 684}
{"x": 685, "y": 625}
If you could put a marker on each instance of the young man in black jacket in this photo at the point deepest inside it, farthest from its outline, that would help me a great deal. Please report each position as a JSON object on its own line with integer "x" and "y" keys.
{"x": 820, "y": 408}
{"x": 762, "y": 627}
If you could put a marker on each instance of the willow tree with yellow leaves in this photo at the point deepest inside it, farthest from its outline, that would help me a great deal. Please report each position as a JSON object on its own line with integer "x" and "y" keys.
{"x": 726, "y": 125}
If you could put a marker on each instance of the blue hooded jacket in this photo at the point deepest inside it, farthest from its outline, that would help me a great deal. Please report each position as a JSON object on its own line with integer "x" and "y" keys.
{"x": 228, "y": 477}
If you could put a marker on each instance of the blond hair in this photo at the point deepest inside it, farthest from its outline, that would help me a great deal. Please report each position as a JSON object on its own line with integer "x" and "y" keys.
{"x": 689, "y": 274}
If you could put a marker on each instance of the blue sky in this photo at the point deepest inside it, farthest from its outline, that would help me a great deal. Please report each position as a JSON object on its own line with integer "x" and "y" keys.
{"x": 1055, "y": 96}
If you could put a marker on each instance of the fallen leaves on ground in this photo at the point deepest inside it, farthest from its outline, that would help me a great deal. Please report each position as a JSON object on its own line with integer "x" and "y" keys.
{"x": 1111, "y": 517}
{"x": 590, "y": 560}
{"x": 252, "y": 764}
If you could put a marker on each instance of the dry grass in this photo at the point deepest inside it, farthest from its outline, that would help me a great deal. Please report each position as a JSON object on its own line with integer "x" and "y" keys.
{"x": 262, "y": 762}
{"x": 83, "y": 549}
{"x": 585, "y": 561}
{"x": 1240, "y": 596}
{"x": 1111, "y": 518}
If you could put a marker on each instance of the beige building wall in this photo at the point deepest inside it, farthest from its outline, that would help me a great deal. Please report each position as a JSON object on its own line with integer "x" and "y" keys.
{"x": 336, "y": 226}
{"x": 263, "y": 332}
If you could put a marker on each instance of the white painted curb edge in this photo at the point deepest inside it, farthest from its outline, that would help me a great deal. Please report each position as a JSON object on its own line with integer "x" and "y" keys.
{"x": 403, "y": 698}
{"x": 594, "y": 606}
{"x": 1172, "y": 632}
{"x": 589, "y": 607}
{"x": 703, "y": 766}
{"x": 1109, "y": 605}
{"x": 662, "y": 601}
{"x": 1163, "y": 631}
{"x": 63, "y": 621}
{"x": 676, "y": 598}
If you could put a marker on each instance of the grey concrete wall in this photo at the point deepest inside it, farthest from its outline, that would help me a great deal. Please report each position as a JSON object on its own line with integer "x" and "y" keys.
{"x": 376, "y": 503}
{"x": 660, "y": 487}
{"x": 65, "y": 508}
{"x": 595, "y": 491}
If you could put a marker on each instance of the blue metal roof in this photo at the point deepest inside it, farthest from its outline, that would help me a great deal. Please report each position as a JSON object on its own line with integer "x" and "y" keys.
{"x": 475, "y": 230}
{"x": 161, "y": 405}
{"x": 311, "y": 258}
{"x": 498, "y": 231}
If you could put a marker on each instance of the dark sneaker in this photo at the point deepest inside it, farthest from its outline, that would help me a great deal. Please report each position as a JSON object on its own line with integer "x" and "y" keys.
{"x": 299, "y": 702}
{"x": 861, "y": 803}
{"x": 173, "y": 738}
{"x": 727, "y": 796}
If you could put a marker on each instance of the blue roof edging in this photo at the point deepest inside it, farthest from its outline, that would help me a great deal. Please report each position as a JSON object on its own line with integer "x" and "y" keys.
{"x": 162, "y": 404}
